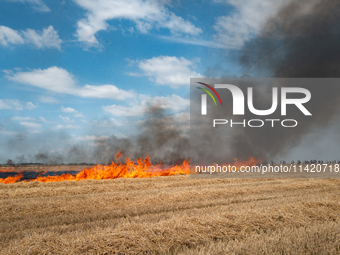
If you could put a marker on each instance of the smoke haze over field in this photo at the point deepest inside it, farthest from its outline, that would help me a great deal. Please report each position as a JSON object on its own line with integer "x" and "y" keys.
{"x": 163, "y": 137}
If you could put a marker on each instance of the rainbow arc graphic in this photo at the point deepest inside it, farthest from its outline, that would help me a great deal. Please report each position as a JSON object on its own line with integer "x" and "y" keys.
{"x": 209, "y": 93}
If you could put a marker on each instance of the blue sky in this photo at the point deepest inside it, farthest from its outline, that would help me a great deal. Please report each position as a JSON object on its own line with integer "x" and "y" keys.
{"x": 79, "y": 71}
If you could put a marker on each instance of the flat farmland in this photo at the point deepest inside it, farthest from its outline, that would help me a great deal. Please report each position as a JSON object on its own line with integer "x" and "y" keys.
{"x": 171, "y": 215}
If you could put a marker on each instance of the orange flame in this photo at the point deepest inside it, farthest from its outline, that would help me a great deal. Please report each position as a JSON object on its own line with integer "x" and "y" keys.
{"x": 6, "y": 170}
{"x": 11, "y": 179}
{"x": 130, "y": 169}
{"x": 250, "y": 162}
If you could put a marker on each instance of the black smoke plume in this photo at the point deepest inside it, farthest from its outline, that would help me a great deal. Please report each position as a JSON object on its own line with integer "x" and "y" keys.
{"x": 300, "y": 41}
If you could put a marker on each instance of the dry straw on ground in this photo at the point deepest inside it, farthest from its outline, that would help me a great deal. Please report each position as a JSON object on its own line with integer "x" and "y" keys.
{"x": 171, "y": 215}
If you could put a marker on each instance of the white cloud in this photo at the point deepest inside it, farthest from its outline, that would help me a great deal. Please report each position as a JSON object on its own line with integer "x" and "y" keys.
{"x": 118, "y": 110}
{"x": 10, "y": 104}
{"x": 79, "y": 115}
{"x": 105, "y": 91}
{"x": 173, "y": 102}
{"x": 92, "y": 138}
{"x": 38, "y": 5}
{"x": 245, "y": 22}
{"x": 105, "y": 123}
{"x": 146, "y": 14}
{"x": 75, "y": 113}
{"x": 30, "y": 106}
{"x": 58, "y": 80}
{"x": 67, "y": 126}
{"x": 66, "y": 119}
{"x": 68, "y": 110}
{"x": 47, "y": 38}
{"x": 166, "y": 70}
{"x": 18, "y": 118}
{"x": 10, "y": 36}
{"x": 15, "y": 104}
{"x": 30, "y": 124}
{"x": 54, "y": 79}
{"x": 210, "y": 44}
{"x": 42, "y": 119}
{"x": 177, "y": 25}
{"x": 48, "y": 100}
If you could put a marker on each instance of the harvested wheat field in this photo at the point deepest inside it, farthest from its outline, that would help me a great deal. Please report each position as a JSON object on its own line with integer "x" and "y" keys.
{"x": 171, "y": 215}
